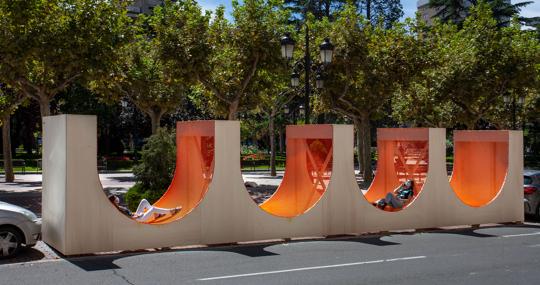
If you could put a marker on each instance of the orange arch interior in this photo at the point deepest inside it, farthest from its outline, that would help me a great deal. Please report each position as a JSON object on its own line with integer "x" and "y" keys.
{"x": 480, "y": 165}
{"x": 308, "y": 168}
{"x": 402, "y": 155}
{"x": 194, "y": 168}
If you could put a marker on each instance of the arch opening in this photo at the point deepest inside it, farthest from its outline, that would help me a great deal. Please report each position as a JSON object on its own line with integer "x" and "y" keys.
{"x": 480, "y": 165}
{"x": 403, "y": 154}
{"x": 195, "y": 148}
{"x": 308, "y": 167}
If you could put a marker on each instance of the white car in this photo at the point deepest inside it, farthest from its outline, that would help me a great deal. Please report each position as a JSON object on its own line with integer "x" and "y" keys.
{"x": 18, "y": 227}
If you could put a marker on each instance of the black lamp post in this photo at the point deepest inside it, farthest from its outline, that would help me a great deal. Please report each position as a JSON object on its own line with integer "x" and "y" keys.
{"x": 306, "y": 64}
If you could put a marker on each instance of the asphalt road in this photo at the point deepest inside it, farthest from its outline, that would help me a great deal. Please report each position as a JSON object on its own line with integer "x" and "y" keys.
{"x": 494, "y": 255}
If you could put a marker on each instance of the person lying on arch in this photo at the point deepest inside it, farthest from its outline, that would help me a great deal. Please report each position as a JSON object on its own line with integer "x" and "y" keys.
{"x": 145, "y": 212}
{"x": 399, "y": 198}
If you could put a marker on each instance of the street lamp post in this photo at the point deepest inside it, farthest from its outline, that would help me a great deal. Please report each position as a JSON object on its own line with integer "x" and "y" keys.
{"x": 326, "y": 52}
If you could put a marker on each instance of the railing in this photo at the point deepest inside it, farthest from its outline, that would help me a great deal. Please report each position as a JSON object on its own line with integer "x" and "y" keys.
{"x": 17, "y": 163}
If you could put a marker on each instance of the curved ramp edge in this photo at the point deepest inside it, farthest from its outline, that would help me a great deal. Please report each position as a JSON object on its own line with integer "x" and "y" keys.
{"x": 308, "y": 168}
{"x": 194, "y": 168}
{"x": 403, "y": 154}
{"x": 480, "y": 165}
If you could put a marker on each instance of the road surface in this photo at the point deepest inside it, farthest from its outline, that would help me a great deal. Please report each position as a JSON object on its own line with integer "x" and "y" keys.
{"x": 491, "y": 255}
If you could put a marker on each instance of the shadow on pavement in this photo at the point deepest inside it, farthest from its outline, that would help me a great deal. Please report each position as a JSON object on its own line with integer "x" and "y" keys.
{"x": 97, "y": 263}
{"x": 373, "y": 241}
{"x": 106, "y": 262}
{"x": 25, "y": 255}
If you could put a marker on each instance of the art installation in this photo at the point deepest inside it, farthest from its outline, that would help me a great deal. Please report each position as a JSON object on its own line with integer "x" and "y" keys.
{"x": 319, "y": 195}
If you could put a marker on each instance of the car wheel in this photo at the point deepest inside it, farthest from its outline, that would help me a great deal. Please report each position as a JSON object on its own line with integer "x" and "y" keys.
{"x": 10, "y": 241}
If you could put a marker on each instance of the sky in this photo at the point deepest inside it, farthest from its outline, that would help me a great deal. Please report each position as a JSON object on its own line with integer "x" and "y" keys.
{"x": 409, "y": 7}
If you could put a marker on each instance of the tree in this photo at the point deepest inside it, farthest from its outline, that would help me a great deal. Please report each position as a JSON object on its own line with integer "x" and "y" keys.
{"x": 457, "y": 10}
{"x": 370, "y": 64}
{"x": 273, "y": 95}
{"x": 46, "y": 45}
{"x": 239, "y": 49}
{"x": 161, "y": 62}
{"x": 480, "y": 64}
{"x": 418, "y": 104}
{"x": 388, "y": 11}
{"x": 318, "y": 8}
{"x": 9, "y": 101}
{"x": 449, "y": 10}
{"x": 142, "y": 79}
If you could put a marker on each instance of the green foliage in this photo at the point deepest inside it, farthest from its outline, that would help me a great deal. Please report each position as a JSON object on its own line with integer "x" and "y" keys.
{"x": 455, "y": 11}
{"x": 469, "y": 71}
{"x": 138, "y": 192}
{"x": 161, "y": 64}
{"x": 239, "y": 51}
{"x": 46, "y": 45}
{"x": 9, "y": 101}
{"x": 370, "y": 64}
{"x": 155, "y": 171}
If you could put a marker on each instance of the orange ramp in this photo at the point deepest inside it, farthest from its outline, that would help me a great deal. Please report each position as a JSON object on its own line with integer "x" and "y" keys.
{"x": 480, "y": 165}
{"x": 403, "y": 154}
{"x": 194, "y": 168}
{"x": 308, "y": 168}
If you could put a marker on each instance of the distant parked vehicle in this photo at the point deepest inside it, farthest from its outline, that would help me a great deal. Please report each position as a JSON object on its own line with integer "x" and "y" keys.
{"x": 18, "y": 227}
{"x": 531, "y": 191}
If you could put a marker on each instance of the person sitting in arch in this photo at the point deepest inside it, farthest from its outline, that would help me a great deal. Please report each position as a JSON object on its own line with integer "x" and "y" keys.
{"x": 399, "y": 198}
{"x": 145, "y": 212}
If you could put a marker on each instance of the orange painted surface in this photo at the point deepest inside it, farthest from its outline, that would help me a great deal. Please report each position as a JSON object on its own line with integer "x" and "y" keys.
{"x": 402, "y": 155}
{"x": 480, "y": 165}
{"x": 194, "y": 168}
{"x": 308, "y": 168}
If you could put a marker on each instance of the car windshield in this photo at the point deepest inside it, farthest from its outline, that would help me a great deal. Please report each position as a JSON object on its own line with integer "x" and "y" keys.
{"x": 527, "y": 180}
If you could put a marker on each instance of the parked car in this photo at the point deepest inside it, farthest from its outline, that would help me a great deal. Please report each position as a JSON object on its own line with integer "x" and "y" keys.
{"x": 531, "y": 190}
{"x": 18, "y": 227}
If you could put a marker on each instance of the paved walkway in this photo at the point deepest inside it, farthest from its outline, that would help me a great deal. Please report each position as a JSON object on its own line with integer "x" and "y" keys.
{"x": 32, "y": 182}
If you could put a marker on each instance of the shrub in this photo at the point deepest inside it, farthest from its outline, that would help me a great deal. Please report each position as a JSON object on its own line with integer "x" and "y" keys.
{"x": 155, "y": 171}
{"x": 137, "y": 193}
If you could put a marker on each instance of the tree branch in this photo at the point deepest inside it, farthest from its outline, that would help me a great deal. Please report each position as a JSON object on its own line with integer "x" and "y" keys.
{"x": 62, "y": 86}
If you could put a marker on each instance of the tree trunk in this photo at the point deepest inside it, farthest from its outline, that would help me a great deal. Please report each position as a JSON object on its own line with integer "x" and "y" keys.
{"x": 368, "y": 10}
{"x": 359, "y": 144}
{"x": 233, "y": 110}
{"x": 44, "y": 106}
{"x": 155, "y": 118}
{"x": 364, "y": 147}
{"x": 6, "y": 141}
{"x": 272, "y": 136}
{"x": 281, "y": 139}
{"x": 366, "y": 134}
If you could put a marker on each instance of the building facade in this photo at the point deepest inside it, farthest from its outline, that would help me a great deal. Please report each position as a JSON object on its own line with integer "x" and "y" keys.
{"x": 143, "y": 7}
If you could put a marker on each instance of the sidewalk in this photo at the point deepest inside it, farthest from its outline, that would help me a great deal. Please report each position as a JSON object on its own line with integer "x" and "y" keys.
{"x": 26, "y": 190}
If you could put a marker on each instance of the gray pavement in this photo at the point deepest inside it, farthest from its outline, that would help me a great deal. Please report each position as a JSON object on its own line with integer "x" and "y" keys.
{"x": 494, "y": 255}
